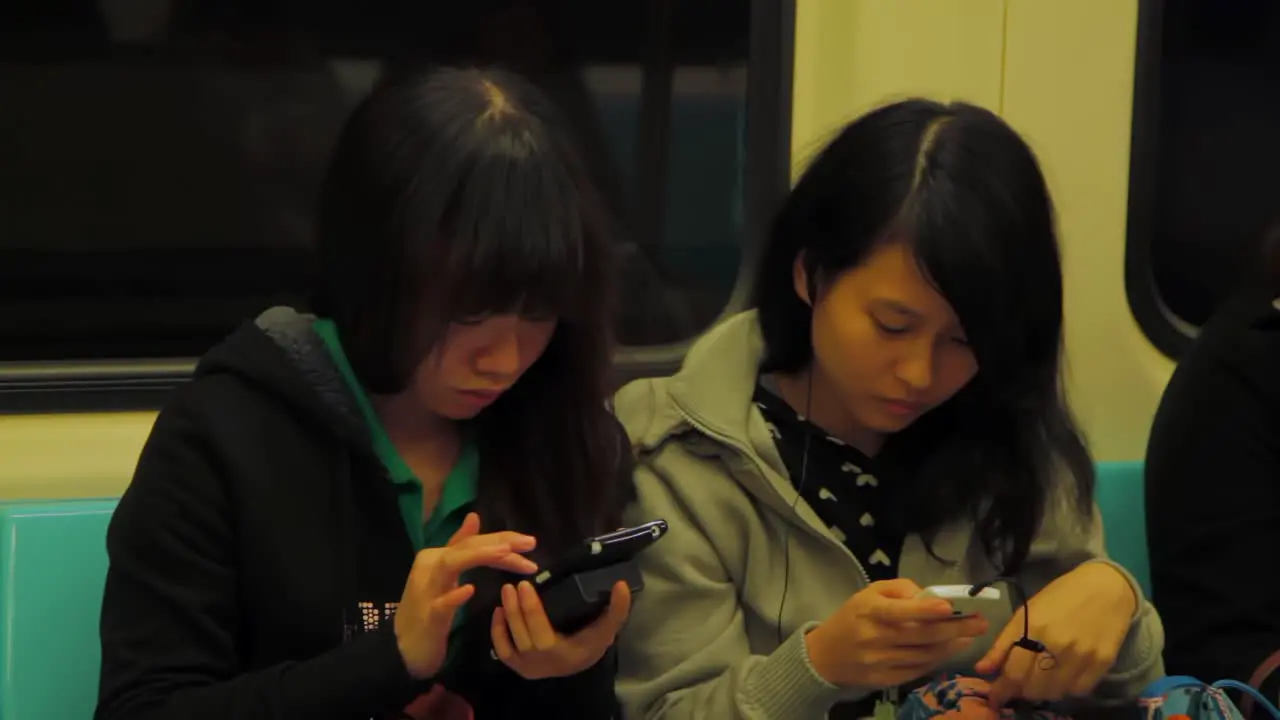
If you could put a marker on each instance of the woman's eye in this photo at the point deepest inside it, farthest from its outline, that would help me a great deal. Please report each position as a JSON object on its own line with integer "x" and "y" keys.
{"x": 471, "y": 320}
{"x": 891, "y": 329}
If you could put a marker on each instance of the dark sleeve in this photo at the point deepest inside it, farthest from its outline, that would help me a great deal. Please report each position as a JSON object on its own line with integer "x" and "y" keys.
{"x": 494, "y": 690}
{"x": 591, "y": 690}
{"x": 171, "y": 623}
{"x": 1213, "y": 509}
{"x": 588, "y": 695}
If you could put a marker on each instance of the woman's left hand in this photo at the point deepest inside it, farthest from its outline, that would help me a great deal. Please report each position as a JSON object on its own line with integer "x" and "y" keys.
{"x": 525, "y": 641}
{"x": 1082, "y": 619}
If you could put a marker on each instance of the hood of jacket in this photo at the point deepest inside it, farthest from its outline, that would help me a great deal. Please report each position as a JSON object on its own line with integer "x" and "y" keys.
{"x": 281, "y": 355}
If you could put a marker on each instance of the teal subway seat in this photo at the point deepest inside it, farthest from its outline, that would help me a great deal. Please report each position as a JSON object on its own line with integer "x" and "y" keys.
{"x": 1121, "y": 498}
{"x": 53, "y": 564}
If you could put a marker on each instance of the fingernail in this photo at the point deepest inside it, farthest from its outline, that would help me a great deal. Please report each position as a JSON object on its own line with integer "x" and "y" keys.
{"x": 526, "y": 585}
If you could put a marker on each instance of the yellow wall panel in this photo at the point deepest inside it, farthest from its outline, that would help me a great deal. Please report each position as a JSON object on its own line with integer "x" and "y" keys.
{"x": 61, "y": 456}
{"x": 852, "y": 55}
{"x": 1069, "y": 90}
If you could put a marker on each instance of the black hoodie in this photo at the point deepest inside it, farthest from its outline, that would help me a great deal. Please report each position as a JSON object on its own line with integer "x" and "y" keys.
{"x": 1213, "y": 497}
{"x": 258, "y": 547}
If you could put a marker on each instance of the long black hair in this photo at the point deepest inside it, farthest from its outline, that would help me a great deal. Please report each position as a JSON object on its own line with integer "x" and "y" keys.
{"x": 966, "y": 194}
{"x": 454, "y": 193}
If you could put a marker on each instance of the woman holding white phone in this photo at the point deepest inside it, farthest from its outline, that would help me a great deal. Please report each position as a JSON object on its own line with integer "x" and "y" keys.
{"x": 889, "y": 417}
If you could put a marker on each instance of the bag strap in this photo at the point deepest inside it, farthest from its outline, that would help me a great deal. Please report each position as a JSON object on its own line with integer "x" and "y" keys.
{"x": 1265, "y": 668}
{"x": 1161, "y": 686}
{"x": 1153, "y": 695}
{"x": 1250, "y": 695}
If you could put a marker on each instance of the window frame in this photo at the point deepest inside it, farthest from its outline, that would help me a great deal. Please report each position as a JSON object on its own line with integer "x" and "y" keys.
{"x": 143, "y": 384}
{"x": 767, "y": 171}
{"x": 1170, "y": 334}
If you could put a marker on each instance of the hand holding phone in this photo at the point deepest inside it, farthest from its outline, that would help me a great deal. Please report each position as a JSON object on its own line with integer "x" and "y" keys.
{"x": 575, "y": 590}
{"x": 525, "y": 641}
{"x": 886, "y": 634}
{"x": 433, "y": 592}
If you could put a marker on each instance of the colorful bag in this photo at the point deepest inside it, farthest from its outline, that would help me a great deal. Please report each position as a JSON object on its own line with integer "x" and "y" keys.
{"x": 958, "y": 697}
{"x": 1180, "y": 696}
{"x": 955, "y": 697}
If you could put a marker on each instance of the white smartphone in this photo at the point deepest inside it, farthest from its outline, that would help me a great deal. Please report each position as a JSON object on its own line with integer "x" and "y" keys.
{"x": 963, "y": 604}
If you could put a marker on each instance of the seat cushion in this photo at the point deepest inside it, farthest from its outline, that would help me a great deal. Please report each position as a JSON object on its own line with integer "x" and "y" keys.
{"x": 53, "y": 564}
{"x": 1122, "y": 501}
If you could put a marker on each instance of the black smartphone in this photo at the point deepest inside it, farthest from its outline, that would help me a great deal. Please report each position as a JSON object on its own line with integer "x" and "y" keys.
{"x": 601, "y": 552}
{"x": 575, "y": 589}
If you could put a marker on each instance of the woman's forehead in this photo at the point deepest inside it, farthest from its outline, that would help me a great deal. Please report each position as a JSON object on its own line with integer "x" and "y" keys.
{"x": 891, "y": 278}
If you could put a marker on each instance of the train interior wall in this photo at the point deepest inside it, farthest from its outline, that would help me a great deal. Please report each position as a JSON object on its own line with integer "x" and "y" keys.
{"x": 1061, "y": 72}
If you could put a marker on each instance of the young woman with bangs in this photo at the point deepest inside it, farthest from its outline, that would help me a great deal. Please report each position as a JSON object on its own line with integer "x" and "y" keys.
{"x": 333, "y": 518}
{"x": 889, "y": 417}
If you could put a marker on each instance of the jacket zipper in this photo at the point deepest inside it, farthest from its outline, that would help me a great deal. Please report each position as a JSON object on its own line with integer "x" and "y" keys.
{"x": 746, "y": 453}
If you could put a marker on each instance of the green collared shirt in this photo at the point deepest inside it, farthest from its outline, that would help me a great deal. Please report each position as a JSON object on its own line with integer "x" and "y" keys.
{"x": 459, "y": 491}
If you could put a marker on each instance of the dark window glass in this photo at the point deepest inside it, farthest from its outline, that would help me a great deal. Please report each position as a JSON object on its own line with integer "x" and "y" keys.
{"x": 1204, "y": 185}
{"x": 161, "y": 158}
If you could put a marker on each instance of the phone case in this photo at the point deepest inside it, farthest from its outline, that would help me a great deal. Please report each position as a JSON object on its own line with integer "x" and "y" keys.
{"x": 577, "y": 600}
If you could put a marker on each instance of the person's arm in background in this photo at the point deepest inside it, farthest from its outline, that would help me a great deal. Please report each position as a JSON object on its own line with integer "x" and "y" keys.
{"x": 170, "y": 619}
{"x": 1213, "y": 506}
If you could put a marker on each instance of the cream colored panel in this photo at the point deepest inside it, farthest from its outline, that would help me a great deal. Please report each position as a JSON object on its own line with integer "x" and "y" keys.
{"x": 1069, "y": 89}
{"x": 63, "y": 456}
{"x": 852, "y": 55}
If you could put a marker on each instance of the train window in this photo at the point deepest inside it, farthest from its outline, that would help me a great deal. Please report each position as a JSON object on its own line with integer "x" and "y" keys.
{"x": 161, "y": 157}
{"x": 1202, "y": 182}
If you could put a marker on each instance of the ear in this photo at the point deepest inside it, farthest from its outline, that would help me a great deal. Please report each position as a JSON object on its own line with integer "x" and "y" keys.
{"x": 800, "y": 279}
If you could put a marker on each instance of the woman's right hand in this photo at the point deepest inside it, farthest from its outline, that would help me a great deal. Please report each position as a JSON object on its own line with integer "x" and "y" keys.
{"x": 884, "y": 636}
{"x": 432, "y": 594}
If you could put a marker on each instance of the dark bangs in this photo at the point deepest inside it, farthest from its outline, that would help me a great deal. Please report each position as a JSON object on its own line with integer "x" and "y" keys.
{"x": 452, "y": 195}
{"x": 517, "y": 239}
{"x": 455, "y": 194}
